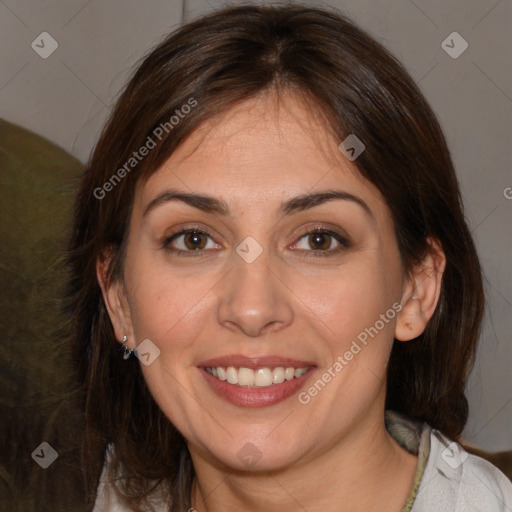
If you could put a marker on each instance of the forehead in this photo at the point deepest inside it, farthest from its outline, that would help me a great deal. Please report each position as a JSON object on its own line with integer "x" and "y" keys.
{"x": 266, "y": 148}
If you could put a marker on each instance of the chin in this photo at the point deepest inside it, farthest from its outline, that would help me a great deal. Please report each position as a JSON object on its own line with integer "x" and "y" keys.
{"x": 247, "y": 456}
{"x": 253, "y": 460}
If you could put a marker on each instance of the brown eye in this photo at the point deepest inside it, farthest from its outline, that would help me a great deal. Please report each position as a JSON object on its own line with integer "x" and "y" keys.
{"x": 321, "y": 241}
{"x": 194, "y": 240}
{"x": 189, "y": 241}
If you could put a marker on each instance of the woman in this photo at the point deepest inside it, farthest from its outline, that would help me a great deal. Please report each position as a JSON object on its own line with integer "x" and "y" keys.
{"x": 276, "y": 297}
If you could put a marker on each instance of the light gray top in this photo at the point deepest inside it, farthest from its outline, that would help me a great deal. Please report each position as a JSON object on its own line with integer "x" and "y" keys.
{"x": 447, "y": 479}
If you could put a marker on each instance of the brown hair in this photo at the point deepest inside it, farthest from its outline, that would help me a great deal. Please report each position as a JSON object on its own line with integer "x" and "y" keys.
{"x": 219, "y": 61}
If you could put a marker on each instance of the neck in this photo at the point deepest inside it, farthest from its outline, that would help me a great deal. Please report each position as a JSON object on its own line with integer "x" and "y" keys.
{"x": 335, "y": 480}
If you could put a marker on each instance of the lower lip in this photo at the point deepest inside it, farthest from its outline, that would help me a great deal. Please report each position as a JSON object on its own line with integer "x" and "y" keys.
{"x": 256, "y": 397}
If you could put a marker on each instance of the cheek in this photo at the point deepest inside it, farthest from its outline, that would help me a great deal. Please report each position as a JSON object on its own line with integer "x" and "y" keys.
{"x": 164, "y": 305}
{"x": 351, "y": 299}
{"x": 355, "y": 306}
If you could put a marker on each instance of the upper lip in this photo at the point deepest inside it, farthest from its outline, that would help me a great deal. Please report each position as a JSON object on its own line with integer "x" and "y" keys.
{"x": 238, "y": 360}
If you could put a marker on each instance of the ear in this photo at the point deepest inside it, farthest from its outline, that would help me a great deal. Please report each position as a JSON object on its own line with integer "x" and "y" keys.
{"x": 115, "y": 298}
{"x": 421, "y": 294}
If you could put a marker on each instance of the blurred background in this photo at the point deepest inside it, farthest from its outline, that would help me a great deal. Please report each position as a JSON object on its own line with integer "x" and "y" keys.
{"x": 63, "y": 64}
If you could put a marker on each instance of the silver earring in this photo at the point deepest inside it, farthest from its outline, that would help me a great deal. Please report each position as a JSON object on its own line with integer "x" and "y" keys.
{"x": 127, "y": 352}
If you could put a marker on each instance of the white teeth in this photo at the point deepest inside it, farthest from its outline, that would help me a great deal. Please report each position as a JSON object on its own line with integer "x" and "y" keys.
{"x": 232, "y": 375}
{"x": 262, "y": 377}
{"x": 300, "y": 371}
{"x": 246, "y": 377}
{"x": 278, "y": 375}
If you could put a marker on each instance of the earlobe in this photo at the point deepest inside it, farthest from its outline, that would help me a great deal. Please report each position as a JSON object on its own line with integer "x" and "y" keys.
{"x": 421, "y": 294}
{"x": 114, "y": 296}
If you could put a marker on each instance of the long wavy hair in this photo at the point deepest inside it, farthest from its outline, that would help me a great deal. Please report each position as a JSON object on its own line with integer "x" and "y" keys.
{"x": 219, "y": 61}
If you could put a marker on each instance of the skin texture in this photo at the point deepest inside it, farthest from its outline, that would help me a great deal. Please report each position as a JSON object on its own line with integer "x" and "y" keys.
{"x": 324, "y": 455}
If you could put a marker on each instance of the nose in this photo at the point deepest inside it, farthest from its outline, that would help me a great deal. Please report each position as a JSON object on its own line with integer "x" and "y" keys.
{"x": 254, "y": 299}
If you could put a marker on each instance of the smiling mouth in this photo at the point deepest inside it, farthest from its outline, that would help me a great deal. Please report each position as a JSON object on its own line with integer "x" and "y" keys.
{"x": 258, "y": 378}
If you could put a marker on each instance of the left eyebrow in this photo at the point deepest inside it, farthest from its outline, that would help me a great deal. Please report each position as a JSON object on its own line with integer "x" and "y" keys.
{"x": 211, "y": 204}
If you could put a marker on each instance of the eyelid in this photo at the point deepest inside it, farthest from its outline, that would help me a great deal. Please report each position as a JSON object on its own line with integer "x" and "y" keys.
{"x": 322, "y": 227}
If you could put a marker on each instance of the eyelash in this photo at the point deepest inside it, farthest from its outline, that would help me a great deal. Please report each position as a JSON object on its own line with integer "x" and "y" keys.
{"x": 344, "y": 243}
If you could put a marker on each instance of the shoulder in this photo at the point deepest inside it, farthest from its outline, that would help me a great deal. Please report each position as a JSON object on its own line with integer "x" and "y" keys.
{"x": 107, "y": 499}
{"x": 457, "y": 481}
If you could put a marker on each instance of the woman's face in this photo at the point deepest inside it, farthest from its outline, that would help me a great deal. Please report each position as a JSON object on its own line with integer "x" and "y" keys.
{"x": 254, "y": 290}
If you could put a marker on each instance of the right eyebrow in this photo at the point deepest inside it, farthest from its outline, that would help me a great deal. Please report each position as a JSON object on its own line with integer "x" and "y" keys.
{"x": 205, "y": 203}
